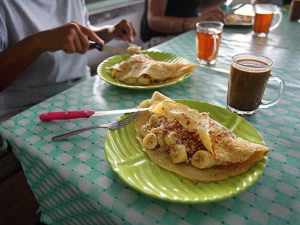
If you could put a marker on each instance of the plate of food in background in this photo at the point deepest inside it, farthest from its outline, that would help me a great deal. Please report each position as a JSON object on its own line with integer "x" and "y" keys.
{"x": 145, "y": 70}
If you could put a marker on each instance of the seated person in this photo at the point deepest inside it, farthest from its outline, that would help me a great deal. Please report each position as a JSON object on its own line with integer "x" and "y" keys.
{"x": 166, "y": 17}
{"x": 42, "y": 46}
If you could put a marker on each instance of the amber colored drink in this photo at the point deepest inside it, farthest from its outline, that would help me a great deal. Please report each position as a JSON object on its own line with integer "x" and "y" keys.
{"x": 205, "y": 45}
{"x": 246, "y": 88}
{"x": 262, "y": 22}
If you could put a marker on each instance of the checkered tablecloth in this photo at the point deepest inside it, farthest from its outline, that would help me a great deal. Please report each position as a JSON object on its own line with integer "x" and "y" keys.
{"x": 74, "y": 184}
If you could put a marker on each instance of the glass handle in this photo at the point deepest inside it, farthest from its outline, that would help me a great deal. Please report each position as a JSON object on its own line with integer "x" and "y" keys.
{"x": 216, "y": 38}
{"x": 279, "y": 12}
{"x": 268, "y": 104}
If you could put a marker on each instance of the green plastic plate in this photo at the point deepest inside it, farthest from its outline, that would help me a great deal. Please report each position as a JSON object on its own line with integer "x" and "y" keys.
{"x": 105, "y": 74}
{"x": 134, "y": 167}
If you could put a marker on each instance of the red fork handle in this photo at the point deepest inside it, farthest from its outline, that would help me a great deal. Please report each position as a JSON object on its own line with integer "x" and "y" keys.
{"x": 67, "y": 115}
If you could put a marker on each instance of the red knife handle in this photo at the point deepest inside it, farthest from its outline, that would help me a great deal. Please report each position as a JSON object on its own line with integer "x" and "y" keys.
{"x": 67, "y": 115}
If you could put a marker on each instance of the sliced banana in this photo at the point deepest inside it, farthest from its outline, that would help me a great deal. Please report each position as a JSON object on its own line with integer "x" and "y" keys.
{"x": 150, "y": 141}
{"x": 155, "y": 130}
{"x": 145, "y": 104}
{"x": 161, "y": 140}
{"x": 134, "y": 48}
{"x": 154, "y": 120}
{"x": 170, "y": 139}
{"x": 178, "y": 154}
{"x": 144, "y": 80}
{"x": 204, "y": 159}
{"x": 144, "y": 129}
{"x": 132, "y": 81}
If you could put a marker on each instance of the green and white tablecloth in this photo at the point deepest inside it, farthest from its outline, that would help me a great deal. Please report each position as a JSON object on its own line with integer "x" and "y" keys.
{"x": 74, "y": 184}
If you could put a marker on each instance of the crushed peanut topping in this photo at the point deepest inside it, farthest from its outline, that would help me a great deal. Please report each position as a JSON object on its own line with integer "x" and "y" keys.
{"x": 190, "y": 140}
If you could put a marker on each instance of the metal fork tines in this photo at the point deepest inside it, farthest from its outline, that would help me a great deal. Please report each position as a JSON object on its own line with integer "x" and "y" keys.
{"x": 236, "y": 7}
{"x": 113, "y": 126}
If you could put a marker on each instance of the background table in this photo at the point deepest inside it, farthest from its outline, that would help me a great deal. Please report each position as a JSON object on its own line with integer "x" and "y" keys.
{"x": 74, "y": 184}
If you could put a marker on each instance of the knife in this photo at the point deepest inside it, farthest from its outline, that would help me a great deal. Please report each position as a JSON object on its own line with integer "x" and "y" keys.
{"x": 67, "y": 115}
{"x": 107, "y": 48}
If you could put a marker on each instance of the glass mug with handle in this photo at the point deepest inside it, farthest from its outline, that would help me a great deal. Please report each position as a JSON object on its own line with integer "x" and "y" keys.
{"x": 248, "y": 79}
{"x": 263, "y": 19}
{"x": 208, "y": 38}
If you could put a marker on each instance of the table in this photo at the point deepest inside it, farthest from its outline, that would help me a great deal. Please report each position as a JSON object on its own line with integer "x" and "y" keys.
{"x": 74, "y": 184}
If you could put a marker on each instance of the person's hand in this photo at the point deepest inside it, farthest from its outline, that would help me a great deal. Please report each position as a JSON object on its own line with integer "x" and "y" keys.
{"x": 124, "y": 30}
{"x": 71, "y": 38}
{"x": 213, "y": 14}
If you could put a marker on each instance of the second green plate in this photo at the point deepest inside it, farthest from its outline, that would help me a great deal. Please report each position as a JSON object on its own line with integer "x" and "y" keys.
{"x": 156, "y": 55}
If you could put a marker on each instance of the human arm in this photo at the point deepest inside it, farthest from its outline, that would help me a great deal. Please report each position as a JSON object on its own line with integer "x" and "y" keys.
{"x": 158, "y": 22}
{"x": 71, "y": 38}
{"x": 123, "y": 30}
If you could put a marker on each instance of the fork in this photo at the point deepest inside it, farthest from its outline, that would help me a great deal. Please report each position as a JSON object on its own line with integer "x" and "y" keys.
{"x": 236, "y": 7}
{"x": 113, "y": 126}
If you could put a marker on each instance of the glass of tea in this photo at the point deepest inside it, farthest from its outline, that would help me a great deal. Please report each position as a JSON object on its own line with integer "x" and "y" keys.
{"x": 263, "y": 19}
{"x": 248, "y": 79}
{"x": 208, "y": 38}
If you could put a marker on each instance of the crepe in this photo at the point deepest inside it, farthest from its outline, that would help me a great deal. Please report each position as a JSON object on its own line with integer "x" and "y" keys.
{"x": 236, "y": 19}
{"x": 140, "y": 69}
{"x": 191, "y": 144}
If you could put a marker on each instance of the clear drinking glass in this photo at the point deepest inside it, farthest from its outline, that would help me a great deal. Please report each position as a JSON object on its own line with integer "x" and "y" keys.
{"x": 248, "y": 79}
{"x": 264, "y": 14}
{"x": 208, "y": 38}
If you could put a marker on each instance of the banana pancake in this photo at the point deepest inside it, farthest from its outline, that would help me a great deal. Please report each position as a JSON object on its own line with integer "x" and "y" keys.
{"x": 141, "y": 69}
{"x": 191, "y": 144}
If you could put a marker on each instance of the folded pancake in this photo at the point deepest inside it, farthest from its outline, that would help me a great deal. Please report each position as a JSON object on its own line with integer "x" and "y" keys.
{"x": 140, "y": 69}
{"x": 238, "y": 19}
{"x": 191, "y": 144}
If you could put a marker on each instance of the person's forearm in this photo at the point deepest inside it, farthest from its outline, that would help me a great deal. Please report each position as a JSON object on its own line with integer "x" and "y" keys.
{"x": 17, "y": 58}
